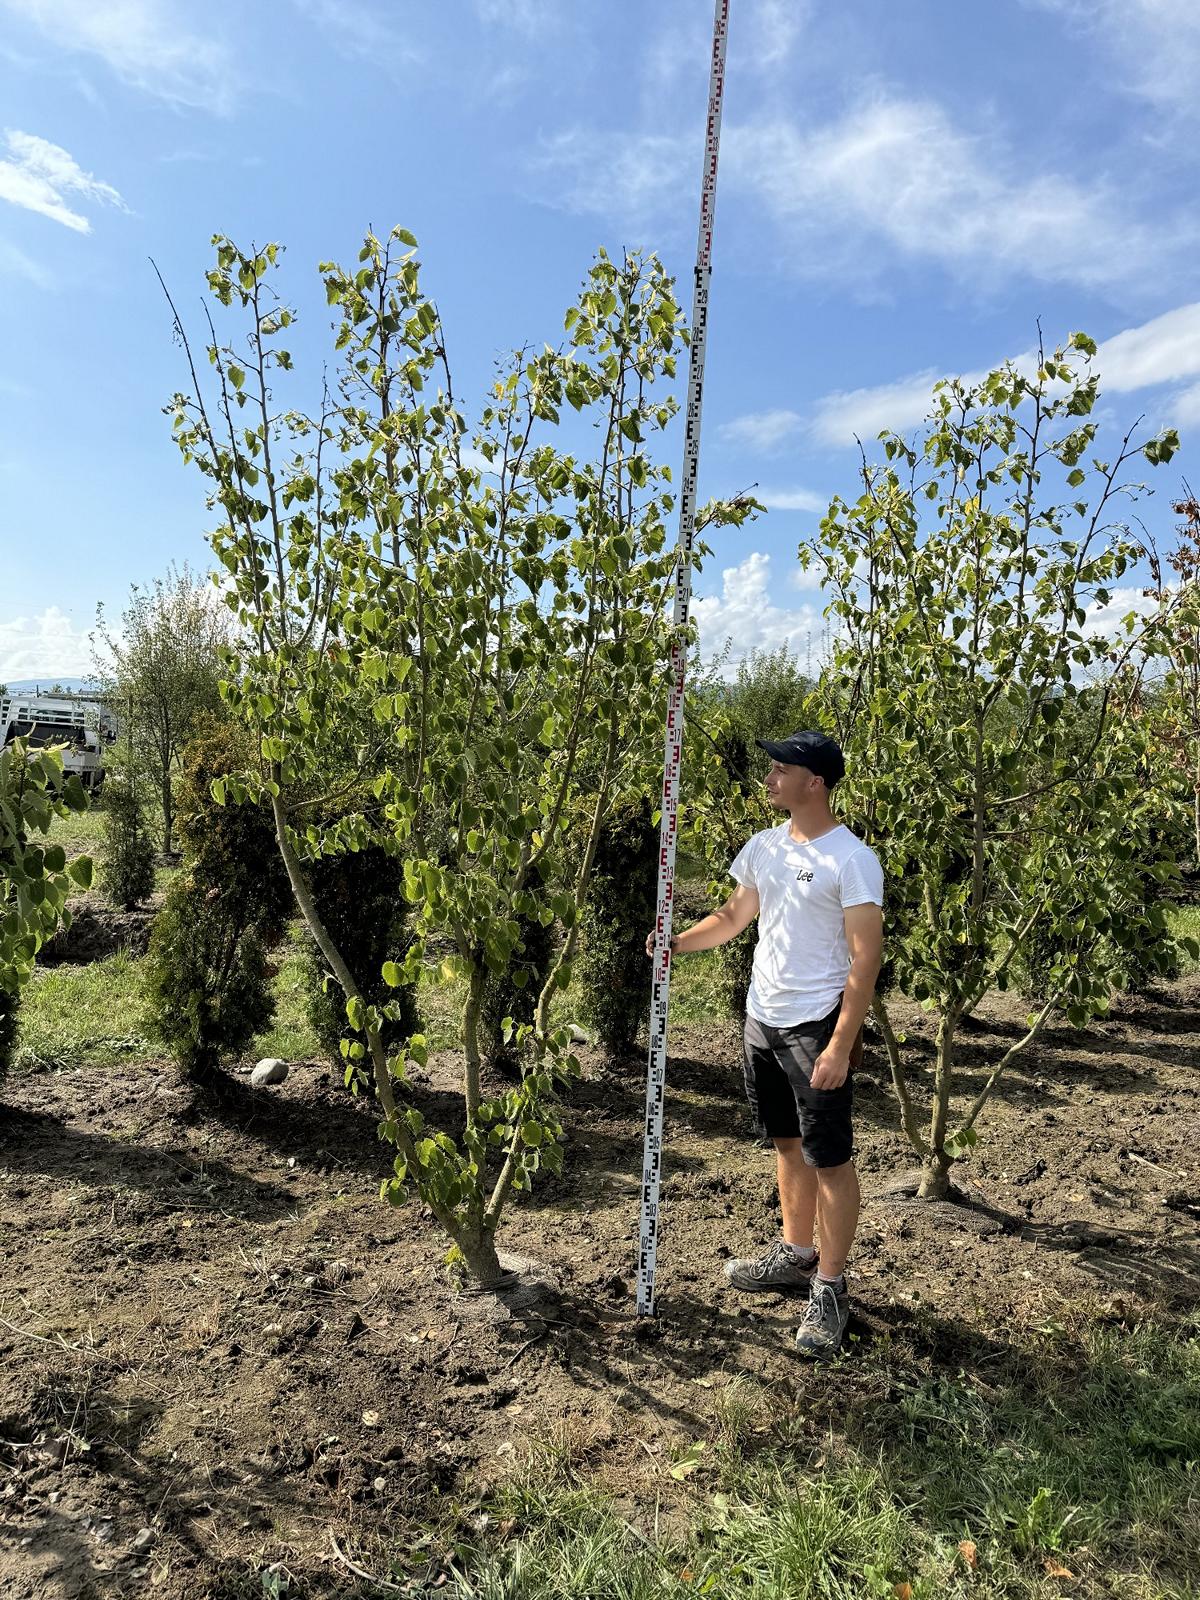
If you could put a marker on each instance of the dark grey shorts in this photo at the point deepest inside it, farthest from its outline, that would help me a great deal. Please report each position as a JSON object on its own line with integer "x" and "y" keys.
{"x": 779, "y": 1063}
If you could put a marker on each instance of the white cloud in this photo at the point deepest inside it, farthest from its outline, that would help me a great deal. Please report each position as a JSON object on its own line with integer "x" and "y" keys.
{"x": 48, "y": 646}
{"x": 361, "y": 33}
{"x": 1184, "y": 408}
{"x": 146, "y": 43}
{"x": 1109, "y": 619}
{"x": 770, "y": 32}
{"x": 793, "y": 500}
{"x": 846, "y": 415}
{"x": 1164, "y": 350}
{"x": 621, "y": 175}
{"x": 892, "y": 180}
{"x": 899, "y": 173}
{"x": 762, "y": 431}
{"x": 39, "y": 174}
{"x": 1155, "y": 44}
{"x": 745, "y": 614}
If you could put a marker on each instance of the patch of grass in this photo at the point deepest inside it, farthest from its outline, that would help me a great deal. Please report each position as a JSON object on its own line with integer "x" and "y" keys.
{"x": 1073, "y": 1461}
{"x": 696, "y": 988}
{"x": 290, "y": 1036}
{"x": 81, "y": 833}
{"x": 75, "y": 1015}
{"x": 1184, "y": 922}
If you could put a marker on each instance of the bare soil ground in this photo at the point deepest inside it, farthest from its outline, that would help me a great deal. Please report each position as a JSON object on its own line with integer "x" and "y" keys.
{"x": 219, "y": 1351}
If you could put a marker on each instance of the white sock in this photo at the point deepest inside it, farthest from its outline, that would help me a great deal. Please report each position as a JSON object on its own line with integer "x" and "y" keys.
{"x": 834, "y": 1283}
{"x": 805, "y": 1252}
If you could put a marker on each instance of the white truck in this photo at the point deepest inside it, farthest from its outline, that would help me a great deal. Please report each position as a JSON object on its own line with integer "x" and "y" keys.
{"x": 83, "y": 725}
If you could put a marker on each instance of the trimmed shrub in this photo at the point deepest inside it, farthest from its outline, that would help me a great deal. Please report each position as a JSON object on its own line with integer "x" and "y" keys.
{"x": 360, "y": 900}
{"x": 127, "y": 877}
{"x": 735, "y": 963}
{"x": 207, "y": 978}
{"x": 612, "y": 969}
{"x": 515, "y": 994}
{"x": 230, "y": 848}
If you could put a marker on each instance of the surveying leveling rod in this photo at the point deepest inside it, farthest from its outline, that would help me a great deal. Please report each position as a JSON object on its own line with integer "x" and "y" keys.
{"x": 660, "y": 997}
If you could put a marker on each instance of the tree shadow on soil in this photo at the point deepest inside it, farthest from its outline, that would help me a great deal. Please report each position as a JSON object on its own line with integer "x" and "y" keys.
{"x": 37, "y": 1143}
{"x": 324, "y": 1125}
{"x": 1063, "y": 1046}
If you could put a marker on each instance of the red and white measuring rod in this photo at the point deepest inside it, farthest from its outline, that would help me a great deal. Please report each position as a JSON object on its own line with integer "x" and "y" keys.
{"x": 656, "y": 1078}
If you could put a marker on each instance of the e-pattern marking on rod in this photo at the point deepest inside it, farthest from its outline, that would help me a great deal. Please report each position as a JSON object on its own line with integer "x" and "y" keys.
{"x": 656, "y": 1078}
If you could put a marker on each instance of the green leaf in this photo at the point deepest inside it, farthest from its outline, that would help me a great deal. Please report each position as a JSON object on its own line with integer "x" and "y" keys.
{"x": 406, "y": 238}
{"x": 80, "y": 871}
{"x": 392, "y": 975}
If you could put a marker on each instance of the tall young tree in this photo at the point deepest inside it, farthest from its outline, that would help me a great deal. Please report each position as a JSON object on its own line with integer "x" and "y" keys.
{"x": 490, "y": 621}
{"x": 982, "y": 715}
{"x": 164, "y": 669}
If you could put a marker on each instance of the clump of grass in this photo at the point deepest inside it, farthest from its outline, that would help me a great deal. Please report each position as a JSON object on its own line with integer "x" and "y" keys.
{"x": 92, "y": 1014}
{"x": 81, "y": 832}
{"x": 291, "y": 1036}
{"x": 1184, "y": 922}
{"x": 1076, "y": 1455}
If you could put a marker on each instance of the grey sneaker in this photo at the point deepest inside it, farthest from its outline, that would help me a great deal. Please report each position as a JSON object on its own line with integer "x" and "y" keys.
{"x": 825, "y": 1319}
{"x": 779, "y": 1268}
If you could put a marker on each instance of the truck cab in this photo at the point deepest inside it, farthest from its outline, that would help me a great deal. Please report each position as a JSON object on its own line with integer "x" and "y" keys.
{"x": 80, "y": 727}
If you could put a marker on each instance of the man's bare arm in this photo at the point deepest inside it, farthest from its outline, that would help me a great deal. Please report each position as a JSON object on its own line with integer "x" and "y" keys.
{"x": 864, "y": 936}
{"x": 738, "y": 912}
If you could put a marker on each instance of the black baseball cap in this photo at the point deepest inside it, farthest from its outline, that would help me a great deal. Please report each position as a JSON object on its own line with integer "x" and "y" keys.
{"x": 807, "y": 748}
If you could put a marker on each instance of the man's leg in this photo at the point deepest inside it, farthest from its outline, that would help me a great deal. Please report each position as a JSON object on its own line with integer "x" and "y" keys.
{"x": 773, "y": 1106}
{"x": 839, "y": 1203}
{"x": 797, "y": 1192}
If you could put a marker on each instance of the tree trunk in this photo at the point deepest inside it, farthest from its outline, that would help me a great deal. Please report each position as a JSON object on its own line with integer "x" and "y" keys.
{"x": 471, "y": 1009}
{"x": 479, "y": 1254}
{"x": 935, "y": 1177}
{"x": 168, "y": 817}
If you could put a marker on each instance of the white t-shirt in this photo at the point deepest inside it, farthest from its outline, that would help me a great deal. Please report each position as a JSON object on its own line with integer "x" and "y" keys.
{"x": 802, "y": 960}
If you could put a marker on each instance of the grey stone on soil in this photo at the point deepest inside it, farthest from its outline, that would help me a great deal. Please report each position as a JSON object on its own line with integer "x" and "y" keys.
{"x": 271, "y": 1070}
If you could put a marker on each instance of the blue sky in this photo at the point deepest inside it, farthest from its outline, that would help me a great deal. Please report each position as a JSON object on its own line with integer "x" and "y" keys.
{"x": 905, "y": 190}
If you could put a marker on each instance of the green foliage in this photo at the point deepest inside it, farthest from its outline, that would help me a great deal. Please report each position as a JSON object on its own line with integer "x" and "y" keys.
{"x": 994, "y": 753}
{"x": 207, "y": 983}
{"x": 510, "y": 996}
{"x": 481, "y": 650}
{"x": 164, "y": 670}
{"x": 229, "y": 849}
{"x": 89, "y": 1015}
{"x": 1079, "y": 1454}
{"x": 360, "y": 899}
{"x": 614, "y": 974}
{"x": 127, "y": 875}
{"x": 35, "y": 878}
{"x": 206, "y": 975}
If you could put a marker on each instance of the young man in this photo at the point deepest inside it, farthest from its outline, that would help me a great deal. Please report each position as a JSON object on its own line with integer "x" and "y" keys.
{"x": 817, "y": 892}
